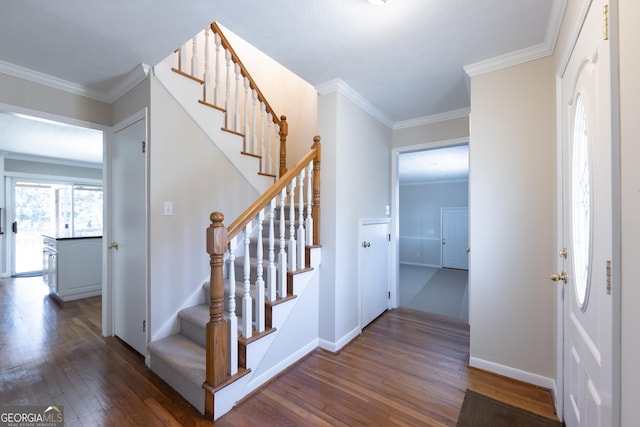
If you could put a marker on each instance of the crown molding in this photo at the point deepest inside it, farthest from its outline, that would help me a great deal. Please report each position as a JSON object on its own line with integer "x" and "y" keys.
{"x": 527, "y": 54}
{"x": 131, "y": 79}
{"x": 434, "y": 118}
{"x": 339, "y": 86}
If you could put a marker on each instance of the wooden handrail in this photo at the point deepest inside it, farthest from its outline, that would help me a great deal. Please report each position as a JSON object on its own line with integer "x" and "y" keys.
{"x": 254, "y": 209}
{"x": 281, "y": 121}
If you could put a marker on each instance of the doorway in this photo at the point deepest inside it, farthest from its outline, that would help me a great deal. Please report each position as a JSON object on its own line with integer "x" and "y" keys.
{"x": 430, "y": 180}
{"x": 55, "y": 209}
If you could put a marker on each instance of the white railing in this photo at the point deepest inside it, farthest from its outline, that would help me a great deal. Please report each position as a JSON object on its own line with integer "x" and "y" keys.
{"x": 228, "y": 86}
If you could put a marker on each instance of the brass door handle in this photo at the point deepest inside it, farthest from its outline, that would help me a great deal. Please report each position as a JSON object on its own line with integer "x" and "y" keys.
{"x": 113, "y": 245}
{"x": 557, "y": 277}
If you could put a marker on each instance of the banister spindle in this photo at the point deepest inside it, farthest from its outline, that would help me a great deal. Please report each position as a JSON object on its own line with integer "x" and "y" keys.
{"x": 195, "y": 66}
{"x": 236, "y": 106}
{"x": 276, "y": 155}
{"x": 247, "y": 87}
{"x": 301, "y": 234}
{"x": 271, "y": 269}
{"x": 247, "y": 321}
{"x": 292, "y": 226}
{"x": 259, "y": 287}
{"x": 254, "y": 116}
{"x": 269, "y": 164}
{"x": 282, "y": 255}
{"x": 216, "y": 90}
{"x": 231, "y": 314}
{"x": 207, "y": 65}
{"x": 262, "y": 148}
{"x": 309, "y": 220}
{"x": 227, "y": 102}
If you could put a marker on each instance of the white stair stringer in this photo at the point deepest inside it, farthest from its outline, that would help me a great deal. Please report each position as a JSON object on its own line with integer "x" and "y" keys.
{"x": 296, "y": 323}
{"x": 187, "y": 92}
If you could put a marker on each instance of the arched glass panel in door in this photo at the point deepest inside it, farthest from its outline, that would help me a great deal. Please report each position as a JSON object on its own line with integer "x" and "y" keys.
{"x": 581, "y": 203}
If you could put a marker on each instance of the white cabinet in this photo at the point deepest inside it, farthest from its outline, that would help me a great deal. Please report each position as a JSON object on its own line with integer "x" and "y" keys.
{"x": 72, "y": 267}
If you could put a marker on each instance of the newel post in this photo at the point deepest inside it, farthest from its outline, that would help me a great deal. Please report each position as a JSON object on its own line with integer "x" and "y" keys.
{"x": 315, "y": 207}
{"x": 217, "y": 337}
{"x": 284, "y": 131}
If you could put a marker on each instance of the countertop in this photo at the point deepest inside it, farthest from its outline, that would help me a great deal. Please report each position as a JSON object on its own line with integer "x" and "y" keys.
{"x": 76, "y": 236}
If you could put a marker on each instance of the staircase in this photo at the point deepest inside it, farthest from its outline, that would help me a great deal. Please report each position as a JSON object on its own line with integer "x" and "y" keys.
{"x": 258, "y": 313}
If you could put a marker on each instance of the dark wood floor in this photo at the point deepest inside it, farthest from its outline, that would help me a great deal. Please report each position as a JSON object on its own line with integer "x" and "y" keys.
{"x": 407, "y": 368}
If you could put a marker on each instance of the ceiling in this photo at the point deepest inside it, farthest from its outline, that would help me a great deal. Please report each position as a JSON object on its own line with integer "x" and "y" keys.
{"x": 405, "y": 58}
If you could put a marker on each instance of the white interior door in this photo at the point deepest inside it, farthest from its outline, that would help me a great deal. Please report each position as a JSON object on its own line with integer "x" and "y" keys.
{"x": 128, "y": 246}
{"x": 587, "y": 227}
{"x": 374, "y": 270}
{"x": 455, "y": 238}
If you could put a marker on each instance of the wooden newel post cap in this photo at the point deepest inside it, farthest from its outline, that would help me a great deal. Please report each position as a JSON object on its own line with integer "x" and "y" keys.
{"x": 217, "y": 235}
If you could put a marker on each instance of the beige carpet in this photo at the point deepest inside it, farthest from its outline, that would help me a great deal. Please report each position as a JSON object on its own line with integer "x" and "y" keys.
{"x": 445, "y": 293}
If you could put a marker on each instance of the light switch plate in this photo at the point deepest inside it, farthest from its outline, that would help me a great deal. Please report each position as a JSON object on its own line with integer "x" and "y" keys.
{"x": 168, "y": 208}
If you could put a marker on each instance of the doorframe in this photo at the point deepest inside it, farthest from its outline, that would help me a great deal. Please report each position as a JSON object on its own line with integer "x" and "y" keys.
{"x": 616, "y": 321}
{"x": 394, "y": 301}
{"x": 108, "y": 308}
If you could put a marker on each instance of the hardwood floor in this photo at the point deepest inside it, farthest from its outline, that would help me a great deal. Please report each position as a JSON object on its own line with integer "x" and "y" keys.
{"x": 407, "y": 368}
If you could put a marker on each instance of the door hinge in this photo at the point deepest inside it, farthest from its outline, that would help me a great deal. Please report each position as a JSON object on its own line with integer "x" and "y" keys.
{"x": 605, "y": 22}
{"x": 144, "y": 146}
{"x": 144, "y": 326}
{"x": 389, "y": 295}
{"x": 608, "y": 277}
{"x": 389, "y": 236}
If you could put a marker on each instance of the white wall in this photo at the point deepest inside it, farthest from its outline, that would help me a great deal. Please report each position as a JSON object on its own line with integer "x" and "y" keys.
{"x": 512, "y": 221}
{"x": 630, "y": 195}
{"x": 185, "y": 167}
{"x": 431, "y": 132}
{"x": 355, "y": 184}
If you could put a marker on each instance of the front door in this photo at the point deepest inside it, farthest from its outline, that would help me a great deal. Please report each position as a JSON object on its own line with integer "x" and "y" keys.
{"x": 128, "y": 243}
{"x": 374, "y": 270}
{"x": 585, "y": 258}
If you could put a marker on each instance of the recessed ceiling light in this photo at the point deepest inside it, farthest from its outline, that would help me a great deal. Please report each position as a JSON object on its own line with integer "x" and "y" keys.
{"x": 380, "y": 2}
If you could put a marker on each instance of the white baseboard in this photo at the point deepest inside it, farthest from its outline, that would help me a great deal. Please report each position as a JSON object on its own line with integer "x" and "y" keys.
{"x": 514, "y": 373}
{"x": 335, "y": 346}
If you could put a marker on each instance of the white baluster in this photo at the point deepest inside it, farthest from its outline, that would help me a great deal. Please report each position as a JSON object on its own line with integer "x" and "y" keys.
{"x": 271, "y": 269}
{"x": 276, "y": 154}
{"x": 254, "y": 138}
{"x": 227, "y": 56}
{"x": 236, "y": 109}
{"x": 247, "y": 87}
{"x": 247, "y": 328}
{"x": 269, "y": 167}
{"x": 259, "y": 287}
{"x": 292, "y": 226}
{"x": 207, "y": 64}
{"x": 282, "y": 255}
{"x": 262, "y": 156}
{"x": 194, "y": 57}
{"x": 232, "y": 319}
{"x": 309, "y": 220}
{"x": 216, "y": 90}
{"x": 301, "y": 233}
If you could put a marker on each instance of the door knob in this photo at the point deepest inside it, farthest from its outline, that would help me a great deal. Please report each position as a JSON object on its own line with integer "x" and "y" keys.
{"x": 113, "y": 245}
{"x": 557, "y": 277}
{"x": 366, "y": 244}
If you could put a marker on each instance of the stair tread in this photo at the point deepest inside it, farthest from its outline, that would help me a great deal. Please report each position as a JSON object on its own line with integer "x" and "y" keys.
{"x": 198, "y": 314}
{"x": 186, "y": 356}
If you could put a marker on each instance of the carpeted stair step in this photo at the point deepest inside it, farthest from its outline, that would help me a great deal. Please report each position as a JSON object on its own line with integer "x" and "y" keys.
{"x": 181, "y": 363}
{"x": 193, "y": 323}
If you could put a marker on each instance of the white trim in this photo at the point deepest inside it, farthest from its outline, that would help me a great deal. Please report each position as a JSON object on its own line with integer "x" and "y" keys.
{"x": 51, "y": 160}
{"x": 337, "y": 345}
{"x": 339, "y": 86}
{"x": 510, "y": 372}
{"x": 434, "y": 118}
{"x": 527, "y": 54}
{"x": 572, "y": 39}
{"x": 126, "y": 83}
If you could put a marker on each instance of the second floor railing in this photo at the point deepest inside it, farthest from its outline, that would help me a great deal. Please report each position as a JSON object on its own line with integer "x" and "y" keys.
{"x": 228, "y": 86}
